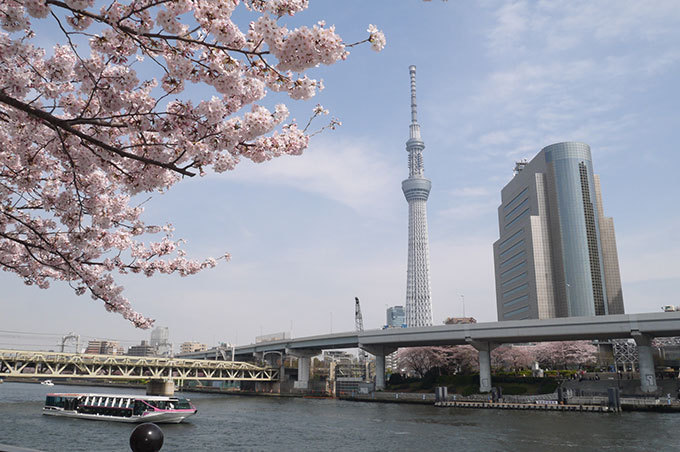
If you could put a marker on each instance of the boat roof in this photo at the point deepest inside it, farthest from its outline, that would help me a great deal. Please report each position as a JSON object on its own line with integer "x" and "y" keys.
{"x": 124, "y": 396}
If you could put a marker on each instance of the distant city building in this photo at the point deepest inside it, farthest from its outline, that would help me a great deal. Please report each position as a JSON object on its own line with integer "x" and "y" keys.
{"x": 143, "y": 349}
{"x": 396, "y": 317}
{"x": 99, "y": 347}
{"x": 458, "y": 320}
{"x": 160, "y": 340}
{"x": 190, "y": 347}
{"x": 556, "y": 255}
{"x": 416, "y": 190}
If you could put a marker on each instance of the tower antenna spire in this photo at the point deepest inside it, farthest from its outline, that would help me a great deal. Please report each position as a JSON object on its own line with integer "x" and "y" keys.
{"x": 414, "y": 104}
{"x": 414, "y": 127}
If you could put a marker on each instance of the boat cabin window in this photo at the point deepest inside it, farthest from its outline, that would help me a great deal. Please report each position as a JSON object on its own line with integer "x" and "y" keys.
{"x": 55, "y": 401}
{"x": 182, "y": 404}
{"x": 140, "y": 407}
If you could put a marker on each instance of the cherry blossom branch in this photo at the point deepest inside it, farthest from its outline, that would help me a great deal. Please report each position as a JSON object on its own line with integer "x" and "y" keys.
{"x": 63, "y": 124}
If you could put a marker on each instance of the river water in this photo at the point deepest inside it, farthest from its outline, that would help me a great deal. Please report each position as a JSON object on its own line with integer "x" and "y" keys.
{"x": 226, "y": 423}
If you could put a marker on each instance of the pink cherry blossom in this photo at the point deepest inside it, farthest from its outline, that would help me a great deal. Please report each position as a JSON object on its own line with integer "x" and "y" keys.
{"x": 376, "y": 38}
{"x": 82, "y": 132}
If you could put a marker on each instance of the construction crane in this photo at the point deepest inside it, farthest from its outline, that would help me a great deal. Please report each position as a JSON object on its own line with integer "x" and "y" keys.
{"x": 359, "y": 327}
{"x": 358, "y": 319}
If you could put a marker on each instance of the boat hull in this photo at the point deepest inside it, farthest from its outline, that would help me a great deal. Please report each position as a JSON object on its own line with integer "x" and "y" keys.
{"x": 163, "y": 417}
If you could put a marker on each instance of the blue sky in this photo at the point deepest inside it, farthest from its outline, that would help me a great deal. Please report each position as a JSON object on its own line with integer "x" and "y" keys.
{"x": 497, "y": 81}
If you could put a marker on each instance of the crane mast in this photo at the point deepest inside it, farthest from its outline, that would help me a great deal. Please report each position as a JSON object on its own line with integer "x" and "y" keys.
{"x": 358, "y": 319}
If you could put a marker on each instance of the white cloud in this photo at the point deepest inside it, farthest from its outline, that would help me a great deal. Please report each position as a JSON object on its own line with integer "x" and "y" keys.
{"x": 511, "y": 23}
{"x": 467, "y": 192}
{"x": 565, "y": 25}
{"x": 355, "y": 175}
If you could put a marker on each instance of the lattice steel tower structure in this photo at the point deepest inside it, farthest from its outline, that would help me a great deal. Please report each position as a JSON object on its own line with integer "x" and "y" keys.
{"x": 416, "y": 190}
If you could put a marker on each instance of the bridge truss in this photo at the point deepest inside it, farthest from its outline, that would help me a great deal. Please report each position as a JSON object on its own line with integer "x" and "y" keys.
{"x": 33, "y": 364}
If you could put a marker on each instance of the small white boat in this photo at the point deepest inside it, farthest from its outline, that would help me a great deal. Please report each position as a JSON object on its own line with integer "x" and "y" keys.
{"x": 119, "y": 408}
{"x": 47, "y": 383}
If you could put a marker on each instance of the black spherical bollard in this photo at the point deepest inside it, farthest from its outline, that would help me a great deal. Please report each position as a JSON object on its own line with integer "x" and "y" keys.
{"x": 146, "y": 438}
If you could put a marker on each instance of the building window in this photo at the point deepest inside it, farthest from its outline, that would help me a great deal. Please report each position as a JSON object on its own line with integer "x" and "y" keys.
{"x": 512, "y": 201}
{"x": 515, "y": 312}
{"x": 519, "y": 206}
{"x": 591, "y": 234}
{"x": 516, "y": 290}
{"x": 514, "y": 301}
{"x": 512, "y": 249}
{"x": 514, "y": 280}
{"x": 513, "y": 259}
{"x": 517, "y": 218}
{"x": 516, "y": 267}
{"x": 505, "y": 242}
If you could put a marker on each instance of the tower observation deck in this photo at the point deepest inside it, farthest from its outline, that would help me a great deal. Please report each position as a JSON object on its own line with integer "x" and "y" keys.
{"x": 416, "y": 190}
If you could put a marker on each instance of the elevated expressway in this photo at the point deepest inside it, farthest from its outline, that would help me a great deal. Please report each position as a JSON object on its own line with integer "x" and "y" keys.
{"x": 52, "y": 365}
{"x": 483, "y": 336}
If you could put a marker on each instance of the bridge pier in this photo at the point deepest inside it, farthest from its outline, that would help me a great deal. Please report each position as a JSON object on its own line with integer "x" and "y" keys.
{"x": 304, "y": 357}
{"x": 160, "y": 387}
{"x": 646, "y": 362}
{"x": 380, "y": 352}
{"x": 484, "y": 349}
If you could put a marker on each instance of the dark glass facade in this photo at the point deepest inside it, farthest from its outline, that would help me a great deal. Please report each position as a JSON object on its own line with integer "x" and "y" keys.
{"x": 579, "y": 242}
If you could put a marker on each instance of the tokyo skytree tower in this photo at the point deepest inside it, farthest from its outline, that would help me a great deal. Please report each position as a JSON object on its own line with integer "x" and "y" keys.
{"x": 416, "y": 190}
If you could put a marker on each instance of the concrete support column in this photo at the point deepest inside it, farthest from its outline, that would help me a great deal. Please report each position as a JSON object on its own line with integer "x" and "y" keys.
{"x": 282, "y": 369}
{"x": 160, "y": 387}
{"x": 484, "y": 370}
{"x": 304, "y": 362}
{"x": 646, "y": 362}
{"x": 304, "y": 357}
{"x": 484, "y": 349}
{"x": 379, "y": 351}
{"x": 379, "y": 372}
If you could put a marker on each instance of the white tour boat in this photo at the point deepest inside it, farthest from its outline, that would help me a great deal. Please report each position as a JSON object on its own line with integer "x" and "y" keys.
{"x": 47, "y": 383}
{"x": 121, "y": 408}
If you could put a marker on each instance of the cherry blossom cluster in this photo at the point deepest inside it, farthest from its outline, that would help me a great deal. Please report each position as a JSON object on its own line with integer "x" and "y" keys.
{"x": 464, "y": 358}
{"x": 82, "y": 133}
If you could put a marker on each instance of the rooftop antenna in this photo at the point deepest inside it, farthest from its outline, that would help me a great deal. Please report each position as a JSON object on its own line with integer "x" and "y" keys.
{"x": 519, "y": 166}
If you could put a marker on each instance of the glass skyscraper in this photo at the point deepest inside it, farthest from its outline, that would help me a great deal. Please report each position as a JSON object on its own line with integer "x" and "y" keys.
{"x": 556, "y": 255}
{"x": 396, "y": 317}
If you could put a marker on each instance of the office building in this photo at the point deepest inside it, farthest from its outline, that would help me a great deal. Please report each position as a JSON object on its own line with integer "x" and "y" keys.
{"x": 160, "y": 340}
{"x": 143, "y": 349}
{"x": 99, "y": 347}
{"x": 160, "y": 335}
{"x": 396, "y": 317}
{"x": 556, "y": 255}
{"x": 190, "y": 347}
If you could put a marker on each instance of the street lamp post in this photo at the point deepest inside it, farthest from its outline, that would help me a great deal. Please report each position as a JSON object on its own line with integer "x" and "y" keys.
{"x": 462, "y": 298}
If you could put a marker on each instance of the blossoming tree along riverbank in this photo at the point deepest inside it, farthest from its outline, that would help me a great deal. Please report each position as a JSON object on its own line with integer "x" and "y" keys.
{"x": 84, "y": 128}
{"x": 464, "y": 358}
